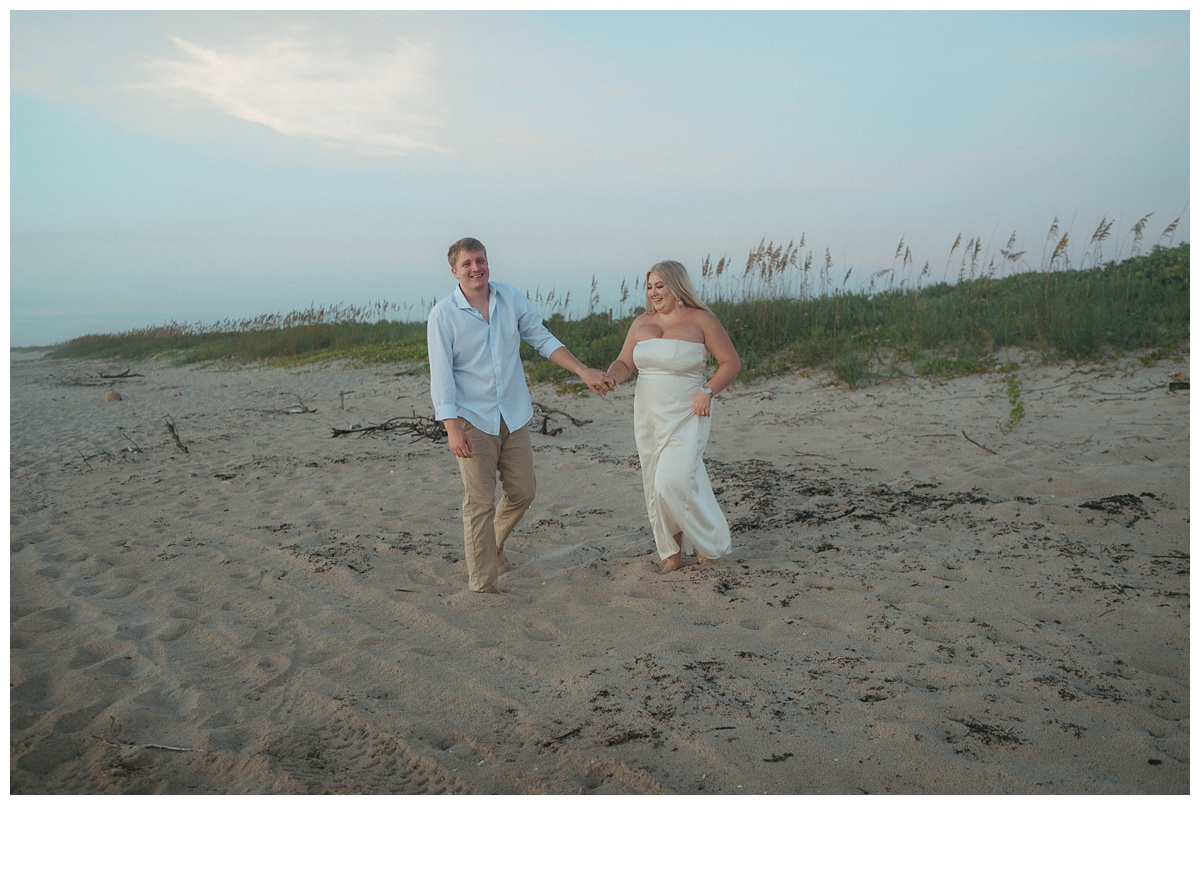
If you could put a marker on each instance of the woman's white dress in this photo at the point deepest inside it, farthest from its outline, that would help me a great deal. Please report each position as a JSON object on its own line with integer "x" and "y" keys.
{"x": 670, "y": 441}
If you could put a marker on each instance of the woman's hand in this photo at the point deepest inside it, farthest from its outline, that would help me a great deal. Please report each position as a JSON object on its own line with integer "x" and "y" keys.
{"x": 598, "y": 381}
{"x": 702, "y": 404}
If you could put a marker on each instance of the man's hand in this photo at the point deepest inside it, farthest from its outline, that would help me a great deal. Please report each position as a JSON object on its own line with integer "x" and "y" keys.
{"x": 459, "y": 444}
{"x": 599, "y": 382}
{"x": 593, "y": 378}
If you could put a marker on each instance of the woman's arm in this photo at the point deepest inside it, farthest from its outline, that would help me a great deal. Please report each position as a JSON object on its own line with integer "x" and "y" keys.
{"x": 717, "y": 340}
{"x": 622, "y": 367}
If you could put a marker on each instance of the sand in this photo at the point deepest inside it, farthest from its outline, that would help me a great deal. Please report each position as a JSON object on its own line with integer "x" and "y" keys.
{"x": 917, "y": 602}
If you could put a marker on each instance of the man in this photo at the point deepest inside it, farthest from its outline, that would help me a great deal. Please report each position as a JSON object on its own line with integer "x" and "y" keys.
{"x": 479, "y": 393}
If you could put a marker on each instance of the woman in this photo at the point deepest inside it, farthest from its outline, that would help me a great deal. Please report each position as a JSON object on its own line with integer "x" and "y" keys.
{"x": 669, "y": 346}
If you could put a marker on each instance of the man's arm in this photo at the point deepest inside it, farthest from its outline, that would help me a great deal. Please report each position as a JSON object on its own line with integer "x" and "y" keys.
{"x": 534, "y": 332}
{"x": 599, "y": 383}
{"x": 459, "y": 444}
{"x": 441, "y": 385}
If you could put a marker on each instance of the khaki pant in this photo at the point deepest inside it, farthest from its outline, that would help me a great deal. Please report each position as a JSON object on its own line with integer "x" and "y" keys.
{"x": 486, "y": 527}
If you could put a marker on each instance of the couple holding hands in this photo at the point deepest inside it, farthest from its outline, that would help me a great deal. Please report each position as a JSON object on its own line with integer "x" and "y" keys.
{"x": 479, "y": 392}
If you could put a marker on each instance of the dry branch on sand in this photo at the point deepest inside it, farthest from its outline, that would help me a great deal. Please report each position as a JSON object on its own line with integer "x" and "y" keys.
{"x": 300, "y": 409}
{"x": 426, "y": 427}
{"x": 175, "y": 435}
{"x": 544, "y": 413}
{"x": 414, "y": 425}
{"x": 129, "y": 745}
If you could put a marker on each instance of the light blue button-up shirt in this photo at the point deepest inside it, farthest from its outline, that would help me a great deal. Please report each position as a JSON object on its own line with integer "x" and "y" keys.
{"x": 475, "y": 369}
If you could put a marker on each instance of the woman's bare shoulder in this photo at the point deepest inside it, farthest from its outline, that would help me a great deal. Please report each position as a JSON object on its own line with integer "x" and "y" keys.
{"x": 645, "y": 324}
{"x": 706, "y": 319}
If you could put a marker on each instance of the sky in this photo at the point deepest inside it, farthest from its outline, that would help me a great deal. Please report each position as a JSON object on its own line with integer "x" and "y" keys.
{"x": 201, "y": 166}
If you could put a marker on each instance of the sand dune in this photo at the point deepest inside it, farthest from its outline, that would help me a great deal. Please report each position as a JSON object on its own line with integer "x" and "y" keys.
{"x": 917, "y": 603}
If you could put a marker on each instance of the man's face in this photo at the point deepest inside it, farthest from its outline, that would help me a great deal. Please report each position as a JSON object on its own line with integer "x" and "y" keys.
{"x": 471, "y": 271}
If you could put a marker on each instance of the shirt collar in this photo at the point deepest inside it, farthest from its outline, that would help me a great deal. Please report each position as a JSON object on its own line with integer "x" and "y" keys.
{"x": 460, "y": 300}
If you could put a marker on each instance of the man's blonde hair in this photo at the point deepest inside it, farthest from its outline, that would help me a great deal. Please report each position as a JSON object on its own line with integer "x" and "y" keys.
{"x": 466, "y": 244}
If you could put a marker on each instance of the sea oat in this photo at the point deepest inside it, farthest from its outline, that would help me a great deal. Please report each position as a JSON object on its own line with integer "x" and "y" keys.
{"x": 1138, "y": 230}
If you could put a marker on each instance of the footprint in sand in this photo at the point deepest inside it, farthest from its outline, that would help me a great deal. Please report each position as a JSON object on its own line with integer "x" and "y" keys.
{"x": 542, "y": 631}
{"x": 469, "y": 601}
{"x": 45, "y": 621}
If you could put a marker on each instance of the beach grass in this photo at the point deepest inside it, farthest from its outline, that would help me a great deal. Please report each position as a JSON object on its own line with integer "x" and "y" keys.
{"x": 940, "y": 329}
{"x": 785, "y": 310}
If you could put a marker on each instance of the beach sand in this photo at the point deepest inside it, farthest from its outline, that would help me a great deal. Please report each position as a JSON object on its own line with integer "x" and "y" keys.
{"x": 917, "y": 601}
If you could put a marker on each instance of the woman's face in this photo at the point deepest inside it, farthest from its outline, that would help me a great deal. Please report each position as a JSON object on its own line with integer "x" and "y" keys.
{"x": 662, "y": 299}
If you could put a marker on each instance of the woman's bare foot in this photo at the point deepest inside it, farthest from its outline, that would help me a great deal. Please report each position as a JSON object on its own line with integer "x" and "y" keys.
{"x": 675, "y": 560}
{"x": 671, "y": 563}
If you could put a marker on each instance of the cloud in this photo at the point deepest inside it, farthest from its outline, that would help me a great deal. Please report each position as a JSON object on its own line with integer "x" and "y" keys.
{"x": 378, "y": 104}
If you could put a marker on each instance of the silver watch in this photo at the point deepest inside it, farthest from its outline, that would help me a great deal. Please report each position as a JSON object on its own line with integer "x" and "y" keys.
{"x": 707, "y": 390}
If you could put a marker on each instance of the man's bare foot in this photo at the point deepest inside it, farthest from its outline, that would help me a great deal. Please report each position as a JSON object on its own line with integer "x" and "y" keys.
{"x": 505, "y": 565}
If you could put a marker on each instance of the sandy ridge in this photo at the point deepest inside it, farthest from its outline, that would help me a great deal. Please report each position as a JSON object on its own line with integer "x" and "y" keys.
{"x": 917, "y": 602}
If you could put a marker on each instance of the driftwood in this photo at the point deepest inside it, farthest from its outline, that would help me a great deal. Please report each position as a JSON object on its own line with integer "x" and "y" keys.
{"x": 430, "y": 428}
{"x": 981, "y": 445}
{"x": 299, "y": 410}
{"x": 544, "y": 412}
{"x": 175, "y": 435}
{"x": 414, "y": 425}
{"x": 126, "y": 374}
{"x": 129, "y": 745}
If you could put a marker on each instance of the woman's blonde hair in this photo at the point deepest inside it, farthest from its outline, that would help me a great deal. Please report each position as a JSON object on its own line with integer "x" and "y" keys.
{"x": 676, "y": 277}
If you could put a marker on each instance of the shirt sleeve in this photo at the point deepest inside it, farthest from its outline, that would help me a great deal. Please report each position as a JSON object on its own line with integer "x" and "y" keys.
{"x": 533, "y": 330}
{"x": 440, "y": 343}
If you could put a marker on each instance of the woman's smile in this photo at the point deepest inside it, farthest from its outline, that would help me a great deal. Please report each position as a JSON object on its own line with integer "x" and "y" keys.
{"x": 660, "y": 294}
